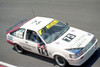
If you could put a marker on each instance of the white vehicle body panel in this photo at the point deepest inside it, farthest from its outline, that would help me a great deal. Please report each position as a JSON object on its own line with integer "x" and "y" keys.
{"x": 37, "y": 23}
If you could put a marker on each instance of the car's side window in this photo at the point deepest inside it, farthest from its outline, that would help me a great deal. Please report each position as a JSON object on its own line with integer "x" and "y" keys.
{"x": 32, "y": 36}
{"x": 18, "y": 33}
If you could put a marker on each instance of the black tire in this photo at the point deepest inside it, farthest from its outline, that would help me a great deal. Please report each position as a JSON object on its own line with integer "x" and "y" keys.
{"x": 18, "y": 48}
{"x": 60, "y": 61}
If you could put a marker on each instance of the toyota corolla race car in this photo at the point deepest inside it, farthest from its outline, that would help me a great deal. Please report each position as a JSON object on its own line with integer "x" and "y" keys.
{"x": 53, "y": 39}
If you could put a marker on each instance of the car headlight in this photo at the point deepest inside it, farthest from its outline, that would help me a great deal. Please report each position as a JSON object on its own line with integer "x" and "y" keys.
{"x": 76, "y": 52}
{"x": 72, "y": 56}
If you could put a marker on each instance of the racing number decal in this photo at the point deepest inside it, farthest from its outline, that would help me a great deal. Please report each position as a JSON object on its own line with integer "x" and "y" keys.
{"x": 42, "y": 50}
{"x": 69, "y": 37}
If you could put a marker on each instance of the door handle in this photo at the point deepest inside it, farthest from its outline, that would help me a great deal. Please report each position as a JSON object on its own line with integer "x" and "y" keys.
{"x": 26, "y": 42}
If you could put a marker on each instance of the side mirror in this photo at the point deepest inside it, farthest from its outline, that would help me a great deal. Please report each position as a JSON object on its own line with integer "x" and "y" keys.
{"x": 66, "y": 23}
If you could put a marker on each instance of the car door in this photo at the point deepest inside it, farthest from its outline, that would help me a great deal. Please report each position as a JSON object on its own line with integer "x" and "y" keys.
{"x": 34, "y": 43}
{"x": 29, "y": 44}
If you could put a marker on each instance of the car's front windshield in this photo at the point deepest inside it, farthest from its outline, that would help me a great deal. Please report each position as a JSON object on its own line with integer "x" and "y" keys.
{"x": 53, "y": 31}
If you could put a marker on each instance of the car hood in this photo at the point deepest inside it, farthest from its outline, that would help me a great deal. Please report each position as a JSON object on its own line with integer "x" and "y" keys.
{"x": 73, "y": 38}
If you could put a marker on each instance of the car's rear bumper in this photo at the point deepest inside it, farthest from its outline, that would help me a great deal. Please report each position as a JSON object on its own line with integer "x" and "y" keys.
{"x": 79, "y": 61}
{"x": 10, "y": 42}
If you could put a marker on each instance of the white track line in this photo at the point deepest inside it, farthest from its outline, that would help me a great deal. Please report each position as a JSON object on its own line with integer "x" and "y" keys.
{"x": 6, "y": 64}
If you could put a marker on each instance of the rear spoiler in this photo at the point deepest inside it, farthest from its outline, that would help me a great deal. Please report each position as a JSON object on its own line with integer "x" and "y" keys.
{"x": 19, "y": 24}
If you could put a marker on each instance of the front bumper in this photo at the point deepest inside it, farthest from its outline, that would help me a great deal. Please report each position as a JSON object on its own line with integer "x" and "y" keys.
{"x": 80, "y": 60}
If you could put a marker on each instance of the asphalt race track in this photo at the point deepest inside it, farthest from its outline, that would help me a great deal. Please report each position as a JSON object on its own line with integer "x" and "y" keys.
{"x": 82, "y": 14}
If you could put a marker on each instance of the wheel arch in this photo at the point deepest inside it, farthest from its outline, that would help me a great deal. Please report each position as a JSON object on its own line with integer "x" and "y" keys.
{"x": 58, "y": 54}
{"x": 17, "y": 43}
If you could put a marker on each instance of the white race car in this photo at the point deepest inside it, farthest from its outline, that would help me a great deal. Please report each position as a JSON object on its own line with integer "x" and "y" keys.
{"x": 53, "y": 39}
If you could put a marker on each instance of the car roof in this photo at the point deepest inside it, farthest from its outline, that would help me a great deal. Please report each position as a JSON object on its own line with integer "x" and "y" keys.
{"x": 37, "y": 23}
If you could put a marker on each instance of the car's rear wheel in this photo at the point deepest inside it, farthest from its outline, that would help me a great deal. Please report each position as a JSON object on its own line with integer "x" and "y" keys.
{"x": 60, "y": 61}
{"x": 18, "y": 48}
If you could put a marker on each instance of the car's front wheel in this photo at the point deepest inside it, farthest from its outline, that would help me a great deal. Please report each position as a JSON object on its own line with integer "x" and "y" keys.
{"x": 18, "y": 48}
{"x": 60, "y": 61}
